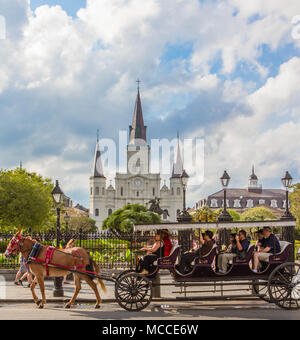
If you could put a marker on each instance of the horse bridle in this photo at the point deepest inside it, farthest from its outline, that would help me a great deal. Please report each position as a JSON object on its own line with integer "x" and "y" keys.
{"x": 15, "y": 245}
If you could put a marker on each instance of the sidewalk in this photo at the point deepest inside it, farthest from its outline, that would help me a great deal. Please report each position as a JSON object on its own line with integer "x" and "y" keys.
{"x": 10, "y": 293}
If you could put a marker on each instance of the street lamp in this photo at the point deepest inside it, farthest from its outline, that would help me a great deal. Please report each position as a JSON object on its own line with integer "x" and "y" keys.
{"x": 58, "y": 197}
{"x": 287, "y": 182}
{"x": 184, "y": 216}
{"x": 225, "y": 216}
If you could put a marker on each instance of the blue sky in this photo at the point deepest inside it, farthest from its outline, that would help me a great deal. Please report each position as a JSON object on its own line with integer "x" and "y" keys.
{"x": 224, "y": 70}
{"x": 70, "y": 6}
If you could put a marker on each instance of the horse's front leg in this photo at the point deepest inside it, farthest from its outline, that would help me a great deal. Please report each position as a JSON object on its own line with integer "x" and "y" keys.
{"x": 40, "y": 280}
{"x": 77, "y": 290}
{"x": 32, "y": 287}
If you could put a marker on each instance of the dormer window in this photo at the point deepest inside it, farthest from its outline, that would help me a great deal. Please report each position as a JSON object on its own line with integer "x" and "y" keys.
{"x": 214, "y": 203}
{"x": 274, "y": 204}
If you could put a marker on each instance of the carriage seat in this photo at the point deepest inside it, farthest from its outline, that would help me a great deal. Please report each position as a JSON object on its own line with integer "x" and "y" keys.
{"x": 208, "y": 259}
{"x": 169, "y": 260}
{"x": 285, "y": 248}
{"x": 248, "y": 256}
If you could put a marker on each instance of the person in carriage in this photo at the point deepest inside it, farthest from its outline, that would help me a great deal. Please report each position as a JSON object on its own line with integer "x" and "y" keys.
{"x": 242, "y": 245}
{"x": 154, "y": 252}
{"x": 269, "y": 246}
{"x": 167, "y": 241}
{"x": 206, "y": 245}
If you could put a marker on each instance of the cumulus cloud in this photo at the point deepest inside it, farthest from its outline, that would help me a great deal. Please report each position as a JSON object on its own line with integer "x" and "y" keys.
{"x": 62, "y": 77}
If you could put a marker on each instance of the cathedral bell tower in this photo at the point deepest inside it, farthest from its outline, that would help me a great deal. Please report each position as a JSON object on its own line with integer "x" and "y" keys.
{"x": 138, "y": 151}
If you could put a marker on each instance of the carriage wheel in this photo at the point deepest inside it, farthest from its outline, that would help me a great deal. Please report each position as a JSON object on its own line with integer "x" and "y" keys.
{"x": 133, "y": 292}
{"x": 284, "y": 286}
{"x": 125, "y": 273}
{"x": 260, "y": 287}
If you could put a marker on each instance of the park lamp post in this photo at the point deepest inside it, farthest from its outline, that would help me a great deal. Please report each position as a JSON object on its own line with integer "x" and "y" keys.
{"x": 225, "y": 216}
{"x": 58, "y": 197}
{"x": 287, "y": 182}
{"x": 184, "y": 216}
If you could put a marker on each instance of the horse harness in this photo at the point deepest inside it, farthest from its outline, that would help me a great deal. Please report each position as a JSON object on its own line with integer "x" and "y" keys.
{"x": 36, "y": 249}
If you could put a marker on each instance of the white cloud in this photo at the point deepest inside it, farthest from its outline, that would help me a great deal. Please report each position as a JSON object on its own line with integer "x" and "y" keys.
{"x": 60, "y": 77}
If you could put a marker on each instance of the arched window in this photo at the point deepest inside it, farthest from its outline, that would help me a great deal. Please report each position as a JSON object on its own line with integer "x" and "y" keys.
{"x": 153, "y": 191}
{"x": 165, "y": 214}
{"x": 172, "y": 191}
{"x": 97, "y": 212}
{"x": 91, "y": 191}
{"x": 109, "y": 212}
{"x": 103, "y": 191}
{"x": 138, "y": 163}
{"x": 97, "y": 191}
{"x": 122, "y": 191}
{"x": 178, "y": 191}
{"x": 137, "y": 194}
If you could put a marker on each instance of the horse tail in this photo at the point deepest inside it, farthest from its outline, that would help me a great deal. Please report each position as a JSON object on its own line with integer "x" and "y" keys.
{"x": 97, "y": 270}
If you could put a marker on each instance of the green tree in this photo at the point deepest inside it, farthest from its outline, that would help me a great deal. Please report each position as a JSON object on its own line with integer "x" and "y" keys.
{"x": 295, "y": 204}
{"x": 205, "y": 214}
{"x": 25, "y": 200}
{"x": 233, "y": 213}
{"x": 87, "y": 224}
{"x": 123, "y": 220}
{"x": 258, "y": 214}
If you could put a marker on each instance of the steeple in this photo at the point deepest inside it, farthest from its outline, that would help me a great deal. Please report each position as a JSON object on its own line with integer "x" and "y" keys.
{"x": 178, "y": 165}
{"x": 253, "y": 185}
{"x": 97, "y": 170}
{"x": 138, "y": 130}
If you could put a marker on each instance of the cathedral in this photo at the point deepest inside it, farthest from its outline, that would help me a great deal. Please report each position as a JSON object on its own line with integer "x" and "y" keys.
{"x": 138, "y": 184}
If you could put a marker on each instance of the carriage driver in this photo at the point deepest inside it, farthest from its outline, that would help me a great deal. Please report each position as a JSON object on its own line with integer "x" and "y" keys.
{"x": 206, "y": 242}
{"x": 242, "y": 245}
{"x": 270, "y": 244}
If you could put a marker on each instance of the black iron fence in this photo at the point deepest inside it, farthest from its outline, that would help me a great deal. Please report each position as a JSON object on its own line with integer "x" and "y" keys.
{"x": 110, "y": 251}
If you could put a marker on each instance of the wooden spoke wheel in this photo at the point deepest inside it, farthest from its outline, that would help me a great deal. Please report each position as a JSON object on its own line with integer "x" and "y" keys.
{"x": 284, "y": 286}
{"x": 125, "y": 273}
{"x": 133, "y": 292}
{"x": 260, "y": 288}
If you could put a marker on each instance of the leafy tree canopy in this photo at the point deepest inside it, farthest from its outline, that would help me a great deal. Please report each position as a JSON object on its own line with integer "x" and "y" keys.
{"x": 25, "y": 200}
{"x": 205, "y": 214}
{"x": 233, "y": 213}
{"x": 295, "y": 202}
{"x": 258, "y": 214}
{"x": 123, "y": 220}
{"x": 87, "y": 224}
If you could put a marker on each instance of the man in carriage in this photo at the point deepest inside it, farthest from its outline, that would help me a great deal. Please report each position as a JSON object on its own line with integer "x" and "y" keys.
{"x": 242, "y": 245}
{"x": 206, "y": 243}
{"x": 270, "y": 246}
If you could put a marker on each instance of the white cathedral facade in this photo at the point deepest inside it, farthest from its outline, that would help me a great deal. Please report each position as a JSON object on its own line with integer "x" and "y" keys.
{"x": 138, "y": 184}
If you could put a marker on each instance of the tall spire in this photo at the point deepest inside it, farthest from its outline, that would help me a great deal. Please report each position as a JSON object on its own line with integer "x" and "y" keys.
{"x": 138, "y": 130}
{"x": 97, "y": 170}
{"x": 178, "y": 165}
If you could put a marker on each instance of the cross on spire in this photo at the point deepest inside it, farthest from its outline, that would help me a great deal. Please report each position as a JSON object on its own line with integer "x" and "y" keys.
{"x": 138, "y": 82}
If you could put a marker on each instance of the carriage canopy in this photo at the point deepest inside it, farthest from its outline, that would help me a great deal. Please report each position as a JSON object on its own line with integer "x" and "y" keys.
{"x": 216, "y": 225}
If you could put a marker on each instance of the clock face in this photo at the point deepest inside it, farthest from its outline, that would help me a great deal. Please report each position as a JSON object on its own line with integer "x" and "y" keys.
{"x": 138, "y": 182}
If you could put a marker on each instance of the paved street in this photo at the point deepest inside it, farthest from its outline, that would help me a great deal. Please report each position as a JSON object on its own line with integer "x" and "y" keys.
{"x": 173, "y": 311}
{"x": 18, "y": 304}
